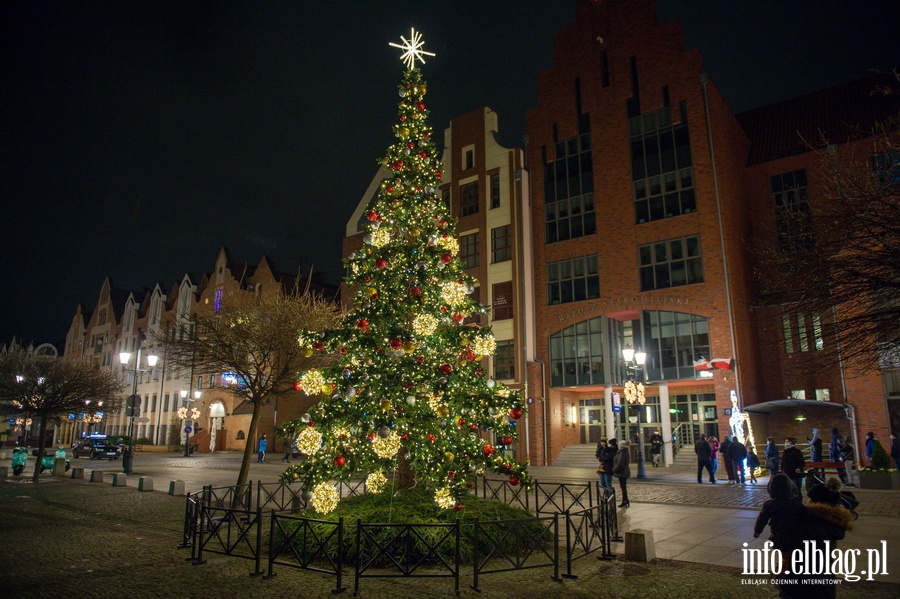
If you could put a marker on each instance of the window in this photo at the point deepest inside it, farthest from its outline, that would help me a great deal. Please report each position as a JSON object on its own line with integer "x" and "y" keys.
{"x": 573, "y": 280}
{"x": 468, "y": 158}
{"x": 468, "y": 250}
{"x": 793, "y": 221}
{"x": 502, "y": 301}
{"x": 445, "y": 196}
{"x": 468, "y": 198}
{"x": 805, "y": 328}
{"x": 670, "y": 263}
{"x": 495, "y": 191}
{"x": 798, "y": 394}
{"x": 576, "y": 354}
{"x": 569, "y": 190}
{"x": 505, "y": 360}
{"x": 661, "y": 169}
{"x": 217, "y": 305}
{"x": 604, "y": 69}
{"x": 673, "y": 341}
{"x": 823, "y": 395}
{"x": 501, "y": 244}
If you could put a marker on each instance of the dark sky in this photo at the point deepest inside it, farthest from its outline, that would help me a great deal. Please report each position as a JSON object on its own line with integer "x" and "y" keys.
{"x": 138, "y": 137}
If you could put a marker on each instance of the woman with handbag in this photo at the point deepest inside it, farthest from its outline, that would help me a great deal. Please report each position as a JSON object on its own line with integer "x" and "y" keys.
{"x": 604, "y": 464}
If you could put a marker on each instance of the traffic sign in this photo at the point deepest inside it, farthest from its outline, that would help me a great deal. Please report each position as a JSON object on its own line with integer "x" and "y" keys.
{"x": 616, "y": 402}
{"x": 142, "y": 420}
{"x": 188, "y": 430}
{"x": 133, "y": 401}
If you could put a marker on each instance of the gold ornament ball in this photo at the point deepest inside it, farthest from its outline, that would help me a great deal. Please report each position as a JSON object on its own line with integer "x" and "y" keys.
{"x": 307, "y": 352}
{"x": 386, "y": 405}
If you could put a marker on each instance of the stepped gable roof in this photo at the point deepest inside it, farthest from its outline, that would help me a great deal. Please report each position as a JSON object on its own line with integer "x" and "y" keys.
{"x": 839, "y": 114}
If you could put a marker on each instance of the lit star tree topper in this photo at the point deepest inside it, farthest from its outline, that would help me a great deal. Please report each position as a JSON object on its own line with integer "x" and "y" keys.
{"x": 412, "y": 49}
{"x": 409, "y": 390}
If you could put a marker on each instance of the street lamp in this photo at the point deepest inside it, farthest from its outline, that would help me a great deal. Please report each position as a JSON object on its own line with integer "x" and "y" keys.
{"x": 634, "y": 395}
{"x": 134, "y": 402}
{"x": 188, "y": 416}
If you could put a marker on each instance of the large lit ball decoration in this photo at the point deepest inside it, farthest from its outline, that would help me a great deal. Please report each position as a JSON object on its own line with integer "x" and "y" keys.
{"x": 424, "y": 324}
{"x": 449, "y": 243}
{"x": 453, "y": 293}
{"x": 387, "y": 447}
{"x": 443, "y": 499}
{"x": 380, "y": 237}
{"x": 312, "y": 381}
{"x": 485, "y": 346}
{"x": 324, "y": 498}
{"x": 309, "y": 441}
{"x": 375, "y": 482}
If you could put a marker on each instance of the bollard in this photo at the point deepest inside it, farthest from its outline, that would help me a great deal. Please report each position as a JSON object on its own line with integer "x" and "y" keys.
{"x": 176, "y": 487}
{"x": 145, "y": 483}
{"x": 639, "y": 545}
{"x": 78, "y": 473}
{"x": 96, "y": 476}
{"x": 59, "y": 467}
{"x": 119, "y": 479}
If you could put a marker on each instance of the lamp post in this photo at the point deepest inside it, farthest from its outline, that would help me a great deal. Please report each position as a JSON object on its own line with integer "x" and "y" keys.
{"x": 134, "y": 402}
{"x": 634, "y": 395}
{"x": 188, "y": 416}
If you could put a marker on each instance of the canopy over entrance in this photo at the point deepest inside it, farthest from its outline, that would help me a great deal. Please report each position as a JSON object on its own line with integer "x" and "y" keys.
{"x": 779, "y": 405}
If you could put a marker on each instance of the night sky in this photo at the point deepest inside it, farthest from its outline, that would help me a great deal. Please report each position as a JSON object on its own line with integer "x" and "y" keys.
{"x": 139, "y": 137}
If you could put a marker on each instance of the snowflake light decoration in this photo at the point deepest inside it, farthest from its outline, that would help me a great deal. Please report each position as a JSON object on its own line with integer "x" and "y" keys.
{"x": 412, "y": 49}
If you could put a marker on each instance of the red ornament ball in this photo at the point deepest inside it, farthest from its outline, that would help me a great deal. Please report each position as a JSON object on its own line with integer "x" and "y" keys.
{"x": 396, "y": 343}
{"x": 470, "y": 484}
{"x": 380, "y": 263}
{"x": 389, "y": 189}
{"x": 318, "y": 345}
{"x": 372, "y": 215}
{"x": 473, "y": 427}
{"x": 445, "y": 369}
{"x": 515, "y": 413}
{"x": 410, "y": 144}
{"x": 404, "y": 436}
{"x": 458, "y": 507}
{"x": 311, "y": 424}
{"x": 437, "y": 175}
{"x": 514, "y": 480}
{"x": 402, "y": 117}
{"x": 420, "y": 105}
{"x": 397, "y": 165}
{"x": 420, "y": 359}
{"x": 446, "y": 258}
{"x": 458, "y": 317}
{"x": 415, "y": 290}
{"x": 479, "y": 371}
{"x": 297, "y": 386}
{"x": 423, "y": 154}
{"x": 362, "y": 324}
{"x": 488, "y": 450}
{"x": 461, "y": 422}
{"x": 340, "y": 461}
{"x": 470, "y": 356}
{"x": 343, "y": 350}
{"x": 367, "y": 278}
{"x": 431, "y": 437}
{"x": 451, "y": 474}
{"x": 371, "y": 436}
{"x": 506, "y": 440}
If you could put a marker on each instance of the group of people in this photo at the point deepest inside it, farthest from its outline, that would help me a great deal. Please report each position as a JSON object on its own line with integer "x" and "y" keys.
{"x": 740, "y": 460}
{"x": 614, "y": 461}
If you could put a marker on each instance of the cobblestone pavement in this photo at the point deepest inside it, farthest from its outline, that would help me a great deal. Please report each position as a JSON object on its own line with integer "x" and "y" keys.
{"x": 69, "y": 538}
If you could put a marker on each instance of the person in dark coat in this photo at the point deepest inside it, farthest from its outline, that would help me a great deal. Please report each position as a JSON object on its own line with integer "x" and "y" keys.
{"x": 737, "y": 453}
{"x": 895, "y": 450}
{"x": 729, "y": 467}
{"x": 656, "y": 443}
{"x": 622, "y": 471}
{"x": 834, "y": 452}
{"x": 704, "y": 453}
{"x": 815, "y": 445}
{"x": 782, "y": 513}
{"x": 605, "y": 474}
{"x": 773, "y": 459}
{"x": 825, "y": 520}
{"x": 609, "y": 457}
{"x": 792, "y": 463}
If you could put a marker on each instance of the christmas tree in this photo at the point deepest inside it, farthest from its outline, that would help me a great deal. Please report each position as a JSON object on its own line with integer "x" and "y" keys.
{"x": 409, "y": 381}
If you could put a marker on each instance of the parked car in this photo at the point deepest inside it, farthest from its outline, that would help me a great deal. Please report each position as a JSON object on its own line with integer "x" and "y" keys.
{"x": 96, "y": 447}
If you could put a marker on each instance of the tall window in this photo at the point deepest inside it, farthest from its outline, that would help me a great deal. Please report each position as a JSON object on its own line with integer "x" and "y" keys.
{"x": 569, "y": 190}
{"x": 661, "y": 167}
{"x": 573, "y": 280}
{"x": 673, "y": 341}
{"x": 505, "y": 360}
{"x": 469, "y": 159}
{"x": 495, "y": 191}
{"x": 217, "y": 305}
{"x": 576, "y": 355}
{"x": 502, "y": 301}
{"x": 670, "y": 263}
{"x": 501, "y": 244}
{"x": 801, "y": 332}
{"x": 468, "y": 250}
{"x": 793, "y": 221}
{"x": 468, "y": 198}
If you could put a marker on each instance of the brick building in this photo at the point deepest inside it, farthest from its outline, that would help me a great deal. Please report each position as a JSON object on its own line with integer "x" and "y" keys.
{"x": 649, "y": 197}
{"x": 120, "y": 318}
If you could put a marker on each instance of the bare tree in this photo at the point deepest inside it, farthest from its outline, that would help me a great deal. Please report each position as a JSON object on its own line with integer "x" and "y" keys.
{"x": 255, "y": 338}
{"x": 47, "y": 389}
{"x": 841, "y": 259}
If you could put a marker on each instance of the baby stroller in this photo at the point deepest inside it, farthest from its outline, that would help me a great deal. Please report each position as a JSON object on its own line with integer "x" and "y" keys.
{"x": 848, "y": 499}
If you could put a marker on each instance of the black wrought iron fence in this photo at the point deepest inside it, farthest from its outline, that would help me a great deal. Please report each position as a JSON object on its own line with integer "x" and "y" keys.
{"x": 521, "y": 544}
{"x": 406, "y": 551}
{"x": 502, "y": 491}
{"x": 557, "y": 498}
{"x": 191, "y": 517}
{"x": 307, "y": 544}
{"x": 232, "y": 532}
{"x": 236, "y": 497}
{"x": 280, "y": 497}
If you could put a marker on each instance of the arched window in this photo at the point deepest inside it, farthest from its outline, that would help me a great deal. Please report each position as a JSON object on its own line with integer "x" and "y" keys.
{"x": 240, "y": 436}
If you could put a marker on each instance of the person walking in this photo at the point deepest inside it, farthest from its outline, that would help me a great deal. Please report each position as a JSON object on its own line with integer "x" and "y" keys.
{"x": 609, "y": 457}
{"x": 287, "y": 450}
{"x": 773, "y": 459}
{"x": 834, "y": 453}
{"x": 792, "y": 464}
{"x": 714, "y": 455}
{"x": 622, "y": 471}
{"x": 703, "y": 451}
{"x": 737, "y": 453}
{"x": 729, "y": 467}
{"x": 895, "y": 450}
{"x": 656, "y": 443}
{"x": 261, "y": 449}
{"x": 870, "y": 447}
{"x": 752, "y": 463}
